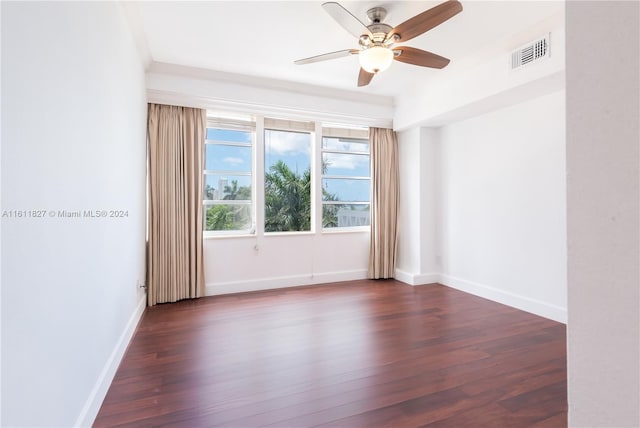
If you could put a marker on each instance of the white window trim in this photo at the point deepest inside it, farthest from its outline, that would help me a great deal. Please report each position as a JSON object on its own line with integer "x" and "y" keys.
{"x": 302, "y": 127}
{"x": 233, "y": 125}
{"x": 258, "y": 179}
{"x": 316, "y": 179}
{"x": 344, "y": 177}
{"x": 355, "y": 134}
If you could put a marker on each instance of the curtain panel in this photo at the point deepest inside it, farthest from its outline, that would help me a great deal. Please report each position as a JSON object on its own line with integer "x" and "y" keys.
{"x": 384, "y": 203}
{"x": 175, "y": 267}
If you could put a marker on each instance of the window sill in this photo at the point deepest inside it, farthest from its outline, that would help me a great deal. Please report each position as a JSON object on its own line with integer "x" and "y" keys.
{"x": 230, "y": 235}
{"x": 305, "y": 233}
{"x": 340, "y": 230}
{"x": 329, "y": 231}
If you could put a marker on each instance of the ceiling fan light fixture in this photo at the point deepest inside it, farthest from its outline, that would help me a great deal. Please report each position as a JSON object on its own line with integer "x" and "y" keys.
{"x": 376, "y": 52}
{"x": 376, "y": 59}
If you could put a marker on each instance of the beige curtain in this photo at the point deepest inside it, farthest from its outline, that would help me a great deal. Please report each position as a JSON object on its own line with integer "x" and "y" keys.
{"x": 384, "y": 204}
{"x": 175, "y": 268}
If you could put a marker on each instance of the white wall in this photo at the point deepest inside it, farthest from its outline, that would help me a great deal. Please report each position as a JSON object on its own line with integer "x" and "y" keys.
{"x": 272, "y": 261}
{"x": 409, "y": 223}
{"x": 483, "y": 206}
{"x": 73, "y": 138}
{"x": 417, "y": 262}
{"x": 502, "y": 205}
{"x": 603, "y": 189}
{"x": 429, "y": 163}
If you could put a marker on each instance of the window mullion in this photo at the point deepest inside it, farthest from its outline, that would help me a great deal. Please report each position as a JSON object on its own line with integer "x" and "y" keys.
{"x": 346, "y": 152}
{"x": 344, "y": 177}
{"x": 346, "y": 203}
{"x": 316, "y": 180}
{"x": 227, "y": 143}
{"x": 258, "y": 167}
{"x": 227, "y": 172}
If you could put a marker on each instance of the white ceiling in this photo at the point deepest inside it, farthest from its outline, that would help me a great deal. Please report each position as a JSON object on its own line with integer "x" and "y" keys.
{"x": 263, "y": 38}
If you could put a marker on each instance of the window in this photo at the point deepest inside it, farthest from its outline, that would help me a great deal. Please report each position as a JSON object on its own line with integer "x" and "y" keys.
{"x": 287, "y": 178}
{"x": 346, "y": 178}
{"x": 291, "y": 176}
{"x": 228, "y": 177}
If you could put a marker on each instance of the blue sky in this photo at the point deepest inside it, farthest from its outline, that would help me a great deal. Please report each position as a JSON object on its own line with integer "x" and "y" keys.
{"x": 294, "y": 148}
{"x": 228, "y": 158}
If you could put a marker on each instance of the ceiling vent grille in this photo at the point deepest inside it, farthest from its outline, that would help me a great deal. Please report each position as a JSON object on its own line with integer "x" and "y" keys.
{"x": 530, "y": 52}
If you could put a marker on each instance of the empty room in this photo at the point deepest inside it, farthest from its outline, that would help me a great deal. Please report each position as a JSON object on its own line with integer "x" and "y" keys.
{"x": 306, "y": 213}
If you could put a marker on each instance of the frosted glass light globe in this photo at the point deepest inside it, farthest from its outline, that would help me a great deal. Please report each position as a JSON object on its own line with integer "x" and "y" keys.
{"x": 376, "y": 59}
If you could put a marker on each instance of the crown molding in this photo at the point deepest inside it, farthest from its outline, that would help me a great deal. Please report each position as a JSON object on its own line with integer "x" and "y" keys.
{"x": 268, "y": 83}
{"x": 161, "y": 96}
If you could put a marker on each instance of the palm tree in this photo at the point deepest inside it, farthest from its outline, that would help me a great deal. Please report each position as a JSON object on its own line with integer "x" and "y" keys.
{"x": 329, "y": 212}
{"x": 230, "y": 217}
{"x": 234, "y": 192}
{"x": 287, "y": 199}
{"x": 287, "y": 203}
{"x": 208, "y": 191}
{"x": 231, "y": 192}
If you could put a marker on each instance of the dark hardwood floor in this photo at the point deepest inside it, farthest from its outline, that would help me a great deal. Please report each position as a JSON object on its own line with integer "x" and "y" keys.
{"x": 351, "y": 354}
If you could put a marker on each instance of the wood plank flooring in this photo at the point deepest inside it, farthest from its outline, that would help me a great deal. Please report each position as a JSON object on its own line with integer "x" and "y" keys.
{"x": 352, "y": 354}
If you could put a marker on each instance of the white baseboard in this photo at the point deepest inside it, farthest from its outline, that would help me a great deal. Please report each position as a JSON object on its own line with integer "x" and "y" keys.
{"x": 215, "y": 289}
{"x": 517, "y": 301}
{"x": 524, "y": 303}
{"x": 96, "y": 397}
{"x": 417, "y": 279}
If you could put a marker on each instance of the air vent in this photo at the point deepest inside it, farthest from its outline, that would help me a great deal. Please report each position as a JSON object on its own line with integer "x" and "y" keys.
{"x": 530, "y": 52}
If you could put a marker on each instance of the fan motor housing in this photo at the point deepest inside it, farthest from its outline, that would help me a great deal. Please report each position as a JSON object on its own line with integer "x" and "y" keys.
{"x": 379, "y": 30}
{"x": 377, "y": 14}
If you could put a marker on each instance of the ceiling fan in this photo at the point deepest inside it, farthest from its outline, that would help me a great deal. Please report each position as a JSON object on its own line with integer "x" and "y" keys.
{"x": 377, "y": 40}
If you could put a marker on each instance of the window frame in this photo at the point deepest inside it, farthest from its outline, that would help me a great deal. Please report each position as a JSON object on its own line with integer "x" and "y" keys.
{"x": 232, "y": 125}
{"x": 357, "y": 135}
{"x": 293, "y": 126}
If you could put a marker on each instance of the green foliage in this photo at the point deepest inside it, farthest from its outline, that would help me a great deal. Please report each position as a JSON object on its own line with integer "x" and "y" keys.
{"x": 208, "y": 192}
{"x": 288, "y": 200}
{"x": 330, "y": 215}
{"x": 229, "y": 217}
{"x": 287, "y": 197}
{"x": 234, "y": 192}
{"x": 220, "y": 217}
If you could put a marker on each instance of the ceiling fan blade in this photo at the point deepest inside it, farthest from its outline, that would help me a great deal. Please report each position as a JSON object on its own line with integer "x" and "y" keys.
{"x": 343, "y": 17}
{"x": 419, "y": 57}
{"x": 364, "y": 77}
{"x": 425, "y": 21}
{"x": 327, "y": 56}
